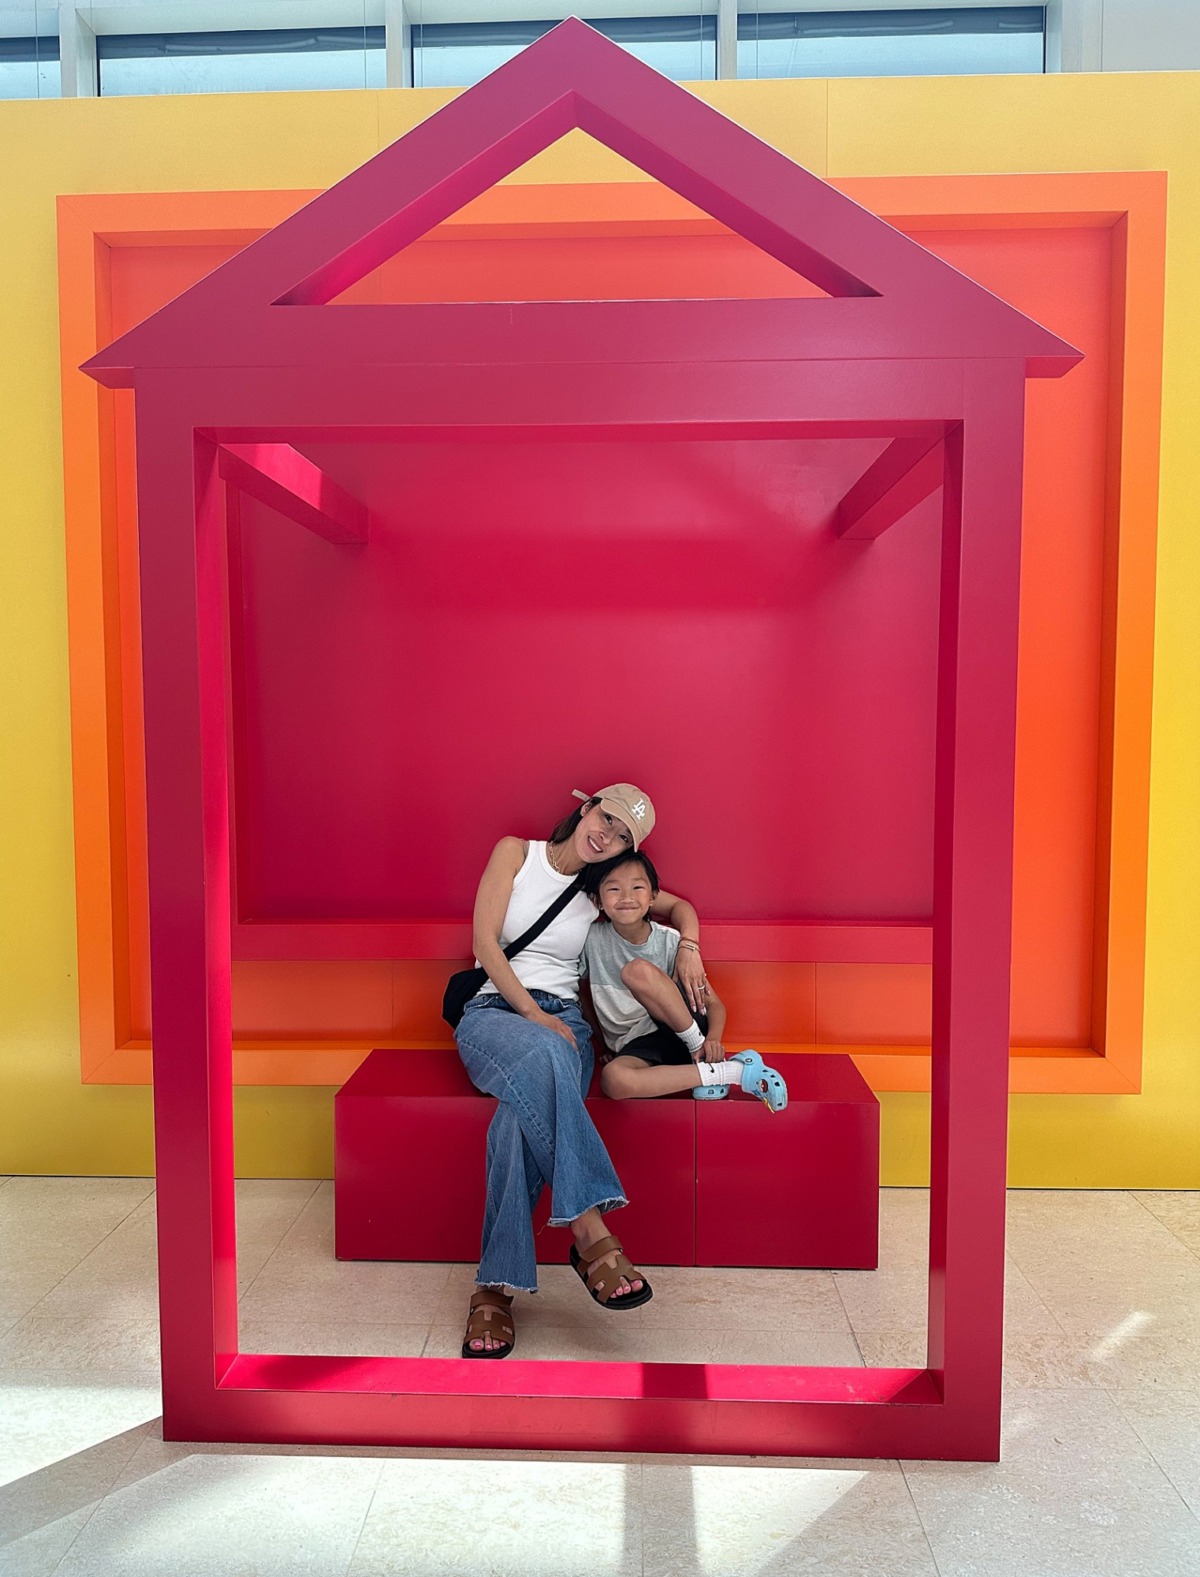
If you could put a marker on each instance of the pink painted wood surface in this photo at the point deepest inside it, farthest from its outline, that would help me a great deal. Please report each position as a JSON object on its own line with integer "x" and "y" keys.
{"x": 337, "y": 830}
{"x": 856, "y": 941}
{"x": 409, "y": 1125}
{"x": 333, "y": 824}
{"x": 973, "y": 895}
{"x": 565, "y": 333}
{"x": 701, "y": 1408}
{"x": 583, "y": 1381}
{"x": 876, "y": 397}
{"x": 969, "y": 1434}
{"x": 282, "y": 479}
{"x": 183, "y": 622}
{"x": 903, "y": 476}
{"x": 885, "y": 289}
{"x": 796, "y": 1188}
{"x": 930, "y": 347}
{"x": 708, "y": 1183}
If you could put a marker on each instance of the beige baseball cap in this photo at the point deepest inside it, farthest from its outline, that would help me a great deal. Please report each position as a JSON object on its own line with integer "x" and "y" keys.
{"x": 629, "y": 804}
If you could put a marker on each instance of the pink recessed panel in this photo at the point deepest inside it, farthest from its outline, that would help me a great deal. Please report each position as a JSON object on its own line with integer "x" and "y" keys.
{"x": 681, "y": 611}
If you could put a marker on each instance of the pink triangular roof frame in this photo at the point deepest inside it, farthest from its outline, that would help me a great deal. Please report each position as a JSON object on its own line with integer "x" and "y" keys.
{"x": 573, "y": 77}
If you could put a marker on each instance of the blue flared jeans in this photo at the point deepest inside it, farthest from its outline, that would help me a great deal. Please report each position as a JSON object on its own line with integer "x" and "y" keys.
{"x": 541, "y": 1135}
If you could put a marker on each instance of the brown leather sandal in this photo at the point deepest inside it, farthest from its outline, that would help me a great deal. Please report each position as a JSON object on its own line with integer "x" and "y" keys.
{"x": 490, "y": 1315}
{"x": 602, "y": 1269}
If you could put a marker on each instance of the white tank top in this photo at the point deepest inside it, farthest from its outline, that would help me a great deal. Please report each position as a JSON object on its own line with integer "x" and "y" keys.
{"x": 551, "y": 961}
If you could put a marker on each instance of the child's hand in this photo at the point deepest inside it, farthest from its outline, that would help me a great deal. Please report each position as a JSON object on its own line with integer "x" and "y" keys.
{"x": 711, "y": 1051}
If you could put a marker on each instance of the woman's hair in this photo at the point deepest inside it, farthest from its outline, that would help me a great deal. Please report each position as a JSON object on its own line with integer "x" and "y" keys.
{"x": 567, "y": 826}
{"x": 596, "y": 873}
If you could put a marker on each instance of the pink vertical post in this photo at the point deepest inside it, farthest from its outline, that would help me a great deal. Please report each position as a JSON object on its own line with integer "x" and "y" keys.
{"x": 182, "y": 569}
{"x": 972, "y": 907}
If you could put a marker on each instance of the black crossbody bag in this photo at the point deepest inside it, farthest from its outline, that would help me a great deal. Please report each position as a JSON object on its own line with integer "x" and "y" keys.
{"x": 464, "y": 983}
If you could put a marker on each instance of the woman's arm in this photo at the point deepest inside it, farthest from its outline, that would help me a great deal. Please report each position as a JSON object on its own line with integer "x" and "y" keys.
{"x": 588, "y": 1008}
{"x": 491, "y": 905}
{"x": 689, "y": 970}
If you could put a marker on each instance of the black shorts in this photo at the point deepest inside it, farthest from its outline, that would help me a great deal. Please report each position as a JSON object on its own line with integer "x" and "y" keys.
{"x": 662, "y": 1047}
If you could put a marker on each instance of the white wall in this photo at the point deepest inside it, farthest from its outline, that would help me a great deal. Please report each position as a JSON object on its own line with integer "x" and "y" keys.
{"x": 1123, "y": 35}
{"x": 1150, "y": 35}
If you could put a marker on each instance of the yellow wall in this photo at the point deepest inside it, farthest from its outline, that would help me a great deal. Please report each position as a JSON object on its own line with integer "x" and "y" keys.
{"x": 49, "y": 1122}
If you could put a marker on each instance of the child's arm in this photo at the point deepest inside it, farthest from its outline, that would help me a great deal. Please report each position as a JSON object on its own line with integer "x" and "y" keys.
{"x": 713, "y": 1049}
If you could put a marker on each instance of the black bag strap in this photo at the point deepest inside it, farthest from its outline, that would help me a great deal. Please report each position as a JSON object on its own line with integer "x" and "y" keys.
{"x": 543, "y": 920}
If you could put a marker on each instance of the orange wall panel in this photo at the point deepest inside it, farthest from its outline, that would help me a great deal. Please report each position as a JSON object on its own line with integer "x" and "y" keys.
{"x": 873, "y": 1004}
{"x": 544, "y": 268}
{"x": 535, "y": 243}
{"x": 767, "y": 1002}
{"x": 312, "y": 999}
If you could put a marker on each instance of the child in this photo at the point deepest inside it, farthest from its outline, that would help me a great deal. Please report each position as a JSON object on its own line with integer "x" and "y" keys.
{"x": 657, "y": 1046}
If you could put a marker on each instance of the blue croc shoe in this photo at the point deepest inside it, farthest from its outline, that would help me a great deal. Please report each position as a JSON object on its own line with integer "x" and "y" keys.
{"x": 710, "y": 1092}
{"x": 758, "y": 1079}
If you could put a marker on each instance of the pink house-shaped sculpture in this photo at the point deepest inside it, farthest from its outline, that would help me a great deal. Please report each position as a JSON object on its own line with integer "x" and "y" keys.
{"x": 242, "y": 373}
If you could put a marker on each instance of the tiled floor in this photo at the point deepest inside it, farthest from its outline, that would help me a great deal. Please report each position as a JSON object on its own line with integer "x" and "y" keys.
{"x": 1100, "y": 1475}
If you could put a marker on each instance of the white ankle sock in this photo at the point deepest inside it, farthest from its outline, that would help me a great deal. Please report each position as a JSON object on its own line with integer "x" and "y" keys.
{"x": 692, "y": 1037}
{"x": 720, "y": 1072}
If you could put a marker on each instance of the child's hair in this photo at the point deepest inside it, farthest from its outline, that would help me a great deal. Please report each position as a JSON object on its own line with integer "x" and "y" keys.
{"x": 597, "y": 873}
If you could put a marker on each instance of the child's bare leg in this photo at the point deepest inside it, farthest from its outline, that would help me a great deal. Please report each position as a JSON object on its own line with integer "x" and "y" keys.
{"x": 658, "y": 994}
{"x": 628, "y": 1078}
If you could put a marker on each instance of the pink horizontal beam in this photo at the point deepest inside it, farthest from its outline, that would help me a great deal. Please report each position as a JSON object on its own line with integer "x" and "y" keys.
{"x": 535, "y": 333}
{"x": 285, "y": 480}
{"x": 695, "y": 1408}
{"x": 903, "y": 476}
{"x": 684, "y": 1381}
{"x": 337, "y": 403}
{"x": 659, "y": 1407}
{"x": 809, "y": 942}
{"x": 609, "y": 432}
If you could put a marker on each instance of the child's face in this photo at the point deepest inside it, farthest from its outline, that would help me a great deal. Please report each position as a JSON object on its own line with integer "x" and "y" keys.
{"x": 626, "y": 894}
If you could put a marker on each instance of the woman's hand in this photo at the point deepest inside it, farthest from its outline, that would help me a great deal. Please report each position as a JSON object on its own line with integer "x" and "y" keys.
{"x": 548, "y": 1021}
{"x": 691, "y": 978}
{"x": 711, "y": 1051}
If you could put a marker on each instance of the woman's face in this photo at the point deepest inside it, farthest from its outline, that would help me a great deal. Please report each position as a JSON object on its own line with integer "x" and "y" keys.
{"x": 599, "y": 836}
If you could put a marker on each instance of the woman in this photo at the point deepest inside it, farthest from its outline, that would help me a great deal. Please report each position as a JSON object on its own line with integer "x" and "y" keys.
{"x": 523, "y": 1039}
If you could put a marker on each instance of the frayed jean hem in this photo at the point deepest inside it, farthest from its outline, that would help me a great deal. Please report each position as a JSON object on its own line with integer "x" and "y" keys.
{"x": 602, "y": 1205}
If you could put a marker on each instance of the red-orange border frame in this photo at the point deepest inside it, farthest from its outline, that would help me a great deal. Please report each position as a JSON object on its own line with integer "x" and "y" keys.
{"x": 104, "y": 715}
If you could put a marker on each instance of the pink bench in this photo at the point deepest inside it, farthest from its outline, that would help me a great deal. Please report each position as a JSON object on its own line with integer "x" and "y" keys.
{"x": 710, "y": 1182}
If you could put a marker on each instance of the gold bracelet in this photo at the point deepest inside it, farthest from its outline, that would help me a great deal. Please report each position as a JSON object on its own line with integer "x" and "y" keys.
{"x": 686, "y": 941}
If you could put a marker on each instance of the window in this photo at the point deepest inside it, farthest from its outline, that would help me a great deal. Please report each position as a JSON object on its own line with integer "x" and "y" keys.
{"x": 263, "y": 60}
{"x": 456, "y": 54}
{"x": 447, "y": 48}
{"x": 29, "y": 68}
{"x": 907, "y": 43}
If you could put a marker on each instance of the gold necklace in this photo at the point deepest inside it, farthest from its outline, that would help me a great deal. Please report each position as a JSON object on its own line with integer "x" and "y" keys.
{"x": 553, "y": 861}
